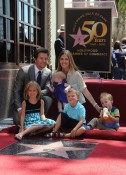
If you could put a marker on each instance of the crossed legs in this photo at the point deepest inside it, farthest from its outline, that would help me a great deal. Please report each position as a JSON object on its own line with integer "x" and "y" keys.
{"x": 33, "y": 129}
{"x": 61, "y": 121}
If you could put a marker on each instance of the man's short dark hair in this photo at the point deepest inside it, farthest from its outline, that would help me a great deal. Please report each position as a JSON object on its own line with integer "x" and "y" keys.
{"x": 40, "y": 50}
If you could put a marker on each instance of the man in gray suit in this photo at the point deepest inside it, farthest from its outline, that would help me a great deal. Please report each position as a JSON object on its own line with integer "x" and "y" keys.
{"x": 28, "y": 73}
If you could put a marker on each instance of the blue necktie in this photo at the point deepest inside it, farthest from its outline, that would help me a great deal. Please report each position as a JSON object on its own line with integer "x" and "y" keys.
{"x": 39, "y": 78}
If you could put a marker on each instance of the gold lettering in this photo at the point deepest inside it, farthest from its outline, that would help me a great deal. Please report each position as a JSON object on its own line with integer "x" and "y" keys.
{"x": 100, "y": 40}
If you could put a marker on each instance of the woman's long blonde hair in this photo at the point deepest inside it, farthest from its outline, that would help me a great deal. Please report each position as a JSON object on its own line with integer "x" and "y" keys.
{"x": 72, "y": 65}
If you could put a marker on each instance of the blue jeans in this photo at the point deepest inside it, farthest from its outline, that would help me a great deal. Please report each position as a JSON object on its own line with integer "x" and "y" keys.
{"x": 118, "y": 73}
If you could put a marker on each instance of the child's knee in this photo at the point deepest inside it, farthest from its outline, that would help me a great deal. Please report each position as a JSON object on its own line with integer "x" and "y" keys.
{"x": 83, "y": 129}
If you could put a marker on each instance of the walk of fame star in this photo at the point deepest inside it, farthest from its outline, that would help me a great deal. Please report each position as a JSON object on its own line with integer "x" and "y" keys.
{"x": 50, "y": 148}
{"x": 56, "y": 148}
{"x": 79, "y": 38}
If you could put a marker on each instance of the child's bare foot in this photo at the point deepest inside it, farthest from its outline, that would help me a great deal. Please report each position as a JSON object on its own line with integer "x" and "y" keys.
{"x": 19, "y": 136}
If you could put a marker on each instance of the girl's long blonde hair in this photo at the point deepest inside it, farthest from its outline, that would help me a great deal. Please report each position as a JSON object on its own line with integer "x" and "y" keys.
{"x": 36, "y": 85}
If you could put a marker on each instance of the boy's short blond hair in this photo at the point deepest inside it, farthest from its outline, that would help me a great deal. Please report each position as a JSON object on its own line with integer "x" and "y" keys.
{"x": 74, "y": 91}
{"x": 106, "y": 95}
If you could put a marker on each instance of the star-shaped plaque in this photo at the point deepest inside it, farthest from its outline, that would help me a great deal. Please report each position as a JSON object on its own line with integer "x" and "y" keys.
{"x": 39, "y": 147}
{"x": 79, "y": 38}
{"x": 56, "y": 148}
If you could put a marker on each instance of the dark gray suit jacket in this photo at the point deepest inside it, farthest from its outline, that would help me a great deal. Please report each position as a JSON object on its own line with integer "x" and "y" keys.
{"x": 24, "y": 75}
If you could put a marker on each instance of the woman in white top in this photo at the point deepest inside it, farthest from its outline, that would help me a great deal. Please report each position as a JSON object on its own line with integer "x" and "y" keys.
{"x": 74, "y": 77}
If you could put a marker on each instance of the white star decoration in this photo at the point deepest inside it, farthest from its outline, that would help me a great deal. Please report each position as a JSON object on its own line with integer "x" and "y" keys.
{"x": 79, "y": 38}
{"x": 56, "y": 148}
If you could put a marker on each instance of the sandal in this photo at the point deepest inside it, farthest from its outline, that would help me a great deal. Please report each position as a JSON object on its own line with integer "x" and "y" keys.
{"x": 18, "y": 136}
{"x": 51, "y": 134}
{"x": 59, "y": 134}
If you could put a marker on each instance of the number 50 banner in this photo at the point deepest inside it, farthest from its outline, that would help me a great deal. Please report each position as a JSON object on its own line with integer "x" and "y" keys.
{"x": 88, "y": 37}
